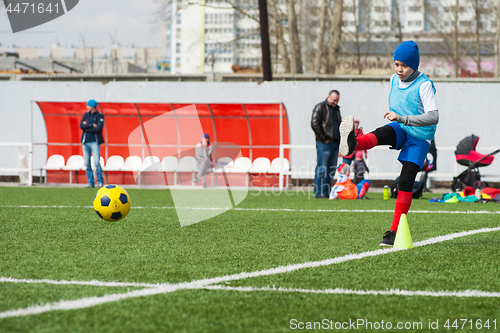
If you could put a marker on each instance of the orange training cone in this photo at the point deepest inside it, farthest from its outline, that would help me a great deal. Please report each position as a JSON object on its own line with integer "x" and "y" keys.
{"x": 403, "y": 237}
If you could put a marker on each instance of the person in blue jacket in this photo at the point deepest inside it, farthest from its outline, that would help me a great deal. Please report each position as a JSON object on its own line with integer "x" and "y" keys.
{"x": 91, "y": 124}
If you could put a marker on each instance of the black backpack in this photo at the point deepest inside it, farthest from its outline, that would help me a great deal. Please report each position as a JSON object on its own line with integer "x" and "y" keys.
{"x": 430, "y": 164}
{"x": 418, "y": 188}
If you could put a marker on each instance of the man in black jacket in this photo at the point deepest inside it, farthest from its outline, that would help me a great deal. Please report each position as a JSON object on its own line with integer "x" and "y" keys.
{"x": 91, "y": 124}
{"x": 325, "y": 123}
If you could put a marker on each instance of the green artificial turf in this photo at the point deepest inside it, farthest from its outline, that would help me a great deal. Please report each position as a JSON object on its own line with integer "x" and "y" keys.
{"x": 53, "y": 233}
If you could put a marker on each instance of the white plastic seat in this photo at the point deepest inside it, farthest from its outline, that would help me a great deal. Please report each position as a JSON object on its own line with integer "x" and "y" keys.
{"x": 75, "y": 163}
{"x": 242, "y": 165}
{"x": 276, "y": 165}
{"x": 187, "y": 164}
{"x": 114, "y": 163}
{"x": 261, "y": 165}
{"x": 169, "y": 164}
{"x": 101, "y": 160}
{"x": 54, "y": 162}
{"x": 151, "y": 163}
{"x": 132, "y": 163}
{"x": 224, "y": 164}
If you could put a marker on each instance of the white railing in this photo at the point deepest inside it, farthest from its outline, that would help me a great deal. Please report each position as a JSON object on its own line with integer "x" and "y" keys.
{"x": 29, "y": 161}
{"x": 451, "y": 170}
{"x": 307, "y": 172}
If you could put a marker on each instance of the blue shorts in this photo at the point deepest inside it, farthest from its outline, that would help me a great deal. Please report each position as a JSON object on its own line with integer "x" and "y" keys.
{"x": 412, "y": 150}
{"x": 361, "y": 183}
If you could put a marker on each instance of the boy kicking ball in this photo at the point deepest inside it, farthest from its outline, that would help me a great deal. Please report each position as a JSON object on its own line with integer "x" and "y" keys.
{"x": 413, "y": 113}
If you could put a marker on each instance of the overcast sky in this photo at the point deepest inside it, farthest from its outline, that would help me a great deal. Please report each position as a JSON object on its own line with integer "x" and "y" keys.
{"x": 132, "y": 20}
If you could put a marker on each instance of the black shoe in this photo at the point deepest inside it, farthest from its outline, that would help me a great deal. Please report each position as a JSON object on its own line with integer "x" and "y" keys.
{"x": 347, "y": 137}
{"x": 388, "y": 239}
{"x": 89, "y": 186}
{"x": 321, "y": 196}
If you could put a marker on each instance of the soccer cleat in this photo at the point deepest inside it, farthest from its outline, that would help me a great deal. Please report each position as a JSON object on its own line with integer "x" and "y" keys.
{"x": 388, "y": 239}
{"x": 347, "y": 137}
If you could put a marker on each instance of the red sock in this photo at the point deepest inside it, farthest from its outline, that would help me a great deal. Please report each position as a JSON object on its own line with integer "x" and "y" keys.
{"x": 367, "y": 141}
{"x": 363, "y": 190}
{"x": 403, "y": 203}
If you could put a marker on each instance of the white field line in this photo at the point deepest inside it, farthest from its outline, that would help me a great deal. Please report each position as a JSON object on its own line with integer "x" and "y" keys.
{"x": 197, "y": 284}
{"x": 397, "y": 292}
{"x": 283, "y": 209}
{"x": 85, "y": 283}
{"x": 83, "y": 302}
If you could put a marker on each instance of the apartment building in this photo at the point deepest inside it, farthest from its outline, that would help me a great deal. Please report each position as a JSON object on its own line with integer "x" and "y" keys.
{"x": 212, "y": 36}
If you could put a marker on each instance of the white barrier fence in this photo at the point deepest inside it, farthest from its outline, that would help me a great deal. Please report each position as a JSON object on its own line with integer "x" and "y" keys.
{"x": 25, "y": 161}
{"x": 304, "y": 166}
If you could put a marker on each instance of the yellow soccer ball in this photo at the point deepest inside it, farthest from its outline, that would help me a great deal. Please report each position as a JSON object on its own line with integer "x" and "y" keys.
{"x": 112, "y": 203}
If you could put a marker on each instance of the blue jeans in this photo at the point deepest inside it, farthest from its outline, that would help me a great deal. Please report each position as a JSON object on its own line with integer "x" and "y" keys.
{"x": 88, "y": 148}
{"x": 326, "y": 164}
{"x": 346, "y": 160}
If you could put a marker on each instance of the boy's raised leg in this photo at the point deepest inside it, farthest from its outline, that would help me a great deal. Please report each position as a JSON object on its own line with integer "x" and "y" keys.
{"x": 348, "y": 140}
{"x": 347, "y": 136}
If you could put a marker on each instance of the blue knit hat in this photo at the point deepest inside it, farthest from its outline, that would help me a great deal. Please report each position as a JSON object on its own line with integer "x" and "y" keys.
{"x": 205, "y": 136}
{"x": 407, "y": 53}
{"x": 92, "y": 103}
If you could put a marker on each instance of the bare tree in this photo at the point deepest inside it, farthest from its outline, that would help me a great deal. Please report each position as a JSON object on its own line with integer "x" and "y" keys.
{"x": 396, "y": 19}
{"x": 321, "y": 37}
{"x": 83, "y": 40}
{"x": 477, "y": 16}
{"x": 293, "y": 32}
{"x": 357, "y": 43}
{"x": 479, "y": 10}
{"x": 308, "y": 16}
{"x": 494, "y": 8}
{"x": 114, "y": 53}
{"x": 163, "y": 12}
{"x": 455, "y": 38}
{"x": 444, "y": 22}
{"x": 276, "y": 24}
{"x": 235, "y": 6}
{"x": 336, "y": 35}
{"x": 357, "y": 30}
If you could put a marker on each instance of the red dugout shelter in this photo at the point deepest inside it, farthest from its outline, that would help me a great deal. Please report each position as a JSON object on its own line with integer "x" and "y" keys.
{"x": 257, "y": 129}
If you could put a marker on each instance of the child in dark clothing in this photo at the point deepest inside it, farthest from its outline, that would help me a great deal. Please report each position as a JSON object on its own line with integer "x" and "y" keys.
{"x": 359, "y": 168}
